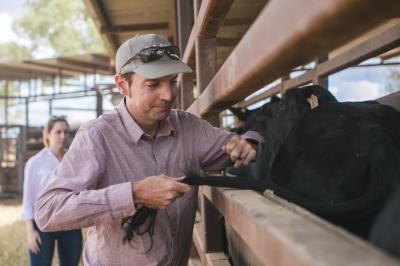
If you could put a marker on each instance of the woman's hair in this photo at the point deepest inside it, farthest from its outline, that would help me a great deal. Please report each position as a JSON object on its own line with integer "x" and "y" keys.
{"x": 49, "y": 126}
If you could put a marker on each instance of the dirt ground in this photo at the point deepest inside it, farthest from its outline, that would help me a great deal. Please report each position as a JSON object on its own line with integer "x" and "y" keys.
{"x": 13, "y": 245}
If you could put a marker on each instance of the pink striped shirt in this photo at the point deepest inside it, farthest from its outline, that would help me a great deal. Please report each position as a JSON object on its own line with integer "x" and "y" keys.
{"x": 92, "y": 185}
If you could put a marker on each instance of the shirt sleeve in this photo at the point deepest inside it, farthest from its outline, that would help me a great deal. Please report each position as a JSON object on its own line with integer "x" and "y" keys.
{"x": 29, "y": 192}
{"x": 72, "y": 200}
{"x": 210, "y": 142}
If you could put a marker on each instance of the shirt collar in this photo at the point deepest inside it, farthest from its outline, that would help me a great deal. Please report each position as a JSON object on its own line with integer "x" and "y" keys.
{"x": 134, "y": 130}
{"x": 166, "y": 127}
{"x": 49, "y": 153}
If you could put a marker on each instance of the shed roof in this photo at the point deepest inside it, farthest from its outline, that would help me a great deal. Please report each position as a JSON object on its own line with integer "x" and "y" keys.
{"x": 119, "y": 20}
{"x": 65, "y": 65}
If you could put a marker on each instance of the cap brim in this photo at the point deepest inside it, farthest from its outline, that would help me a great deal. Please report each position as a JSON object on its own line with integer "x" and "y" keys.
{"x": 162, "y": 68}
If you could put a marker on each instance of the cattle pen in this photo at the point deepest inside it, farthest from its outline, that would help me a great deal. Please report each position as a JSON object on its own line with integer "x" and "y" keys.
{"x": 243, "y": 52}
{"x": 236, "y": 48}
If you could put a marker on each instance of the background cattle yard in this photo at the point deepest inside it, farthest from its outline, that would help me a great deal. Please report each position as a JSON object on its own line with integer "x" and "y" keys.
{"x": 13, "y": 244}
{"x": 56, "y": 58}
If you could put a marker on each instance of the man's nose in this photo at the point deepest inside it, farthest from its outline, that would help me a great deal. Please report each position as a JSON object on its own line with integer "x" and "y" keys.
{"x": 166, "y": 92}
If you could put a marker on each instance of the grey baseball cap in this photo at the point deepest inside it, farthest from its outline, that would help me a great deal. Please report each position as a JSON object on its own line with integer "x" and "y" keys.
{"x": 155, "y": 69}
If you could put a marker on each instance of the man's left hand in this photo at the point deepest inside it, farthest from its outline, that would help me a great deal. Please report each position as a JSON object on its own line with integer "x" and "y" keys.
{"x": 240, "y": 151}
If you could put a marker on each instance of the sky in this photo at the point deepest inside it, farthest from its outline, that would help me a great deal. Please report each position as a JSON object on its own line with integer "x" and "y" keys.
{"x": 353, "y": 84}
{"x": 8, "y": 11}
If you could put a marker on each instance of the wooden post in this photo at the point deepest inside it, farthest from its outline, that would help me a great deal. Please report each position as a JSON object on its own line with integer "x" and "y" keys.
{"x": 213, "y": 235}
{"x": 186, "y": 89}
{"x": 206, "y": 55}
{"x": 184, "y": 17}
{"x": 27, "y": 112}
{"x": 50, "y": 107}
{"x": 99, "y": 101}
{"x": 54, "y": 84}
{"x": 317, "y": 79}
{"x": 6, "y": 104}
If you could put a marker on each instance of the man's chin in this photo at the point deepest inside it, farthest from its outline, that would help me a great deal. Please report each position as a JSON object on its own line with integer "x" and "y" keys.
{"x": 161, "y": 115}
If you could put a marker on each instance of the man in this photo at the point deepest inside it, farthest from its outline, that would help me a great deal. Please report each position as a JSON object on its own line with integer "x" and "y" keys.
{"x": 132, "y": 157}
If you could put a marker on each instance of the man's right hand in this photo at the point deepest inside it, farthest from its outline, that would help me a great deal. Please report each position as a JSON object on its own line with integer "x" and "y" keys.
{"x": 34, "y": 241}
{"x": 158, "y": 192}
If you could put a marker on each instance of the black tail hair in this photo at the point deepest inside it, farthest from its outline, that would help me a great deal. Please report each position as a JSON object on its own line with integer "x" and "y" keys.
{"x": 132, "y": 225}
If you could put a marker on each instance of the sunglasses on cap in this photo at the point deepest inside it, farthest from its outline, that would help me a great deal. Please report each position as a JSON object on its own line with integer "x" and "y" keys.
{"x": 153, "y": 53}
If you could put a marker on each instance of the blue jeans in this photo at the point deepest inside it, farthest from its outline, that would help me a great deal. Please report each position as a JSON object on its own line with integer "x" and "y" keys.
{"x": 69, "y": 246}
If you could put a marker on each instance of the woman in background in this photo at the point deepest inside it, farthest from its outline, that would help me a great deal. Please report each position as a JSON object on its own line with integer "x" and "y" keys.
{"x": 38, "y": 171}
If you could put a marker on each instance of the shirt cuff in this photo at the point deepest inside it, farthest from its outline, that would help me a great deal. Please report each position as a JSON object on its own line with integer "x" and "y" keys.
{"x": 27, "y": 215}
{"x": 121, "y": 200}
{"x": 254, "y": 136}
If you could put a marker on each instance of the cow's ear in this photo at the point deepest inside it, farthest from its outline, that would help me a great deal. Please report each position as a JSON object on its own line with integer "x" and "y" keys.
{"x": 313, "y": 101}
{"x": 239, "y": 113}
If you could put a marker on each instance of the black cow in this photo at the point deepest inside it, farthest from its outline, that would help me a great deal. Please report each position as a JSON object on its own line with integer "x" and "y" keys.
{"x": 248, "y": 119}
{"x": 339, "y": 160}
{"x": 385, "y": 232}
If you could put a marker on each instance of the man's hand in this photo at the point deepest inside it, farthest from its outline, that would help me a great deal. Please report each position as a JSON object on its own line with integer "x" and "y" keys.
{"x": 158, "y": 192}
{"x": 240, "y": 151}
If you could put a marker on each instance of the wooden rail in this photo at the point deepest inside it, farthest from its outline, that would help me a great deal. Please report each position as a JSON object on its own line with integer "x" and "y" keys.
{"x": 375, "y": 46}
{"x": 271, "y": 52}
{"x": 281, "y": 233}
{"x": 265, "y": 229}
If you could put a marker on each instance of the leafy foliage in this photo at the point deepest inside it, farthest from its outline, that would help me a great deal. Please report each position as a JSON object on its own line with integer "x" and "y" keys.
{"x": 11, "y": 51}
{"x": 56, "y": 25}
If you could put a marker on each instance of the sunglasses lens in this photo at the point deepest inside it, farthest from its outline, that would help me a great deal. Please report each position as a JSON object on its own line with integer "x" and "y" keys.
{"x": 173, "y": 52}
{"x": 154, "y": 53}
{"x": 150, "y": 54}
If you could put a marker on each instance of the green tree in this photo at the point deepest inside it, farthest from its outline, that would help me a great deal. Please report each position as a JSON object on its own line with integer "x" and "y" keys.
{"x": 60, "y": 25}
{"x": 11, "y": 51}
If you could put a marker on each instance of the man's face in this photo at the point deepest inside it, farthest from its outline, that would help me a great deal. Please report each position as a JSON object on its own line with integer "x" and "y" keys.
{"x": 150, "y": 100}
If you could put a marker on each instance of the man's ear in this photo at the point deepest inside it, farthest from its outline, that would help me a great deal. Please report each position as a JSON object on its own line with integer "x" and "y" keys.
{"x": 122, "y": 84}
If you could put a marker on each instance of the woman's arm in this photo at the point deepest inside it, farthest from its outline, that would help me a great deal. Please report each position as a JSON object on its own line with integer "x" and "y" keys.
{"x": 34, "y": 240}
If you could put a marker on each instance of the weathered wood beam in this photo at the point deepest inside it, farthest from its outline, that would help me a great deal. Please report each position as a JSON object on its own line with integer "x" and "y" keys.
{"x": 98, "y": 11}
{"x": 375, "y": 46}
{"x": 21, "y": 73}
{"x": 227, "y": 41}
{"x": 267, "y": 52}
{"x": 185, "y": 21}
{"x": 208, "y": 22}
{"x": 86, "y": 66}
{"x": 55, "y": 67}
{"x": 188, "y": 54}
{"x": 172, "y": 21}
{"x": 210, "y": 17}
{"x": 237, "y": 21}
{"x": 133, "y": 27}
{"x": 184, "y": 24}
{"x": 186, "y": 96}
{"x": 290, "y": 234}
{"x": 382, "y": 42}
{"x": 207, "y": 258}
